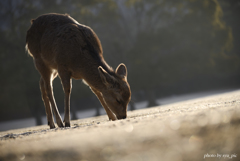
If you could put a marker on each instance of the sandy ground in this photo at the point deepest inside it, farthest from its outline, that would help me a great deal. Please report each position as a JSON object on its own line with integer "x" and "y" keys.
{"x": 30, "y": 122}
{"x": 200, "y": 129}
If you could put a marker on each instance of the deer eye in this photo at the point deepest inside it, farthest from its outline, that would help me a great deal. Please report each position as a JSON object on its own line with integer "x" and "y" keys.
{"x": 119, "y": 102}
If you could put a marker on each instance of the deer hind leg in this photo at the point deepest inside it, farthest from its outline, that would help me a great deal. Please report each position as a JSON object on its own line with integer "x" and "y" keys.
{"x": 48, "y": 108}
{"x": 110, "y": 114}
{"x": 66, "y": 80}
{"x": 47, "y": 92}
{"x": 53, "y": 102}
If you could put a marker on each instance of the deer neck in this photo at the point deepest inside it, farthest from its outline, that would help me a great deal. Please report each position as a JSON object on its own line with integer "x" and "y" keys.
{"x": 92, "y": 77}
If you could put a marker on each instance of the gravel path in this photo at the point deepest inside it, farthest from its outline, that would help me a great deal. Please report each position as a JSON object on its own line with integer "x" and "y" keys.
{"x": 200, "y": 129}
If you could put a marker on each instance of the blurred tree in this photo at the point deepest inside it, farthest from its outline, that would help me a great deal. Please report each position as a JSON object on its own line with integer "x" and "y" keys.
{"x": 13, "y": 17}
{"x": 168, "y": 46}
{"x": 231, "y": 13}
{"x": 177, "y": 42}
{"x": 20, "y": 77}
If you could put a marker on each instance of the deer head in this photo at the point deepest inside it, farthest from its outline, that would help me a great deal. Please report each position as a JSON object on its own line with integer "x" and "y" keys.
{"x": 117, "y": 93}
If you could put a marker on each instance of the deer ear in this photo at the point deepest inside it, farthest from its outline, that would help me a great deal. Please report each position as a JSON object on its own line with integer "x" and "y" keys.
{"x": 122, "y": 70}
{"x": 107, "y": 79}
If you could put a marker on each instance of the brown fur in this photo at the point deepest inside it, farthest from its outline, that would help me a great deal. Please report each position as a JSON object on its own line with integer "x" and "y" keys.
{"x": 61, "y": 46}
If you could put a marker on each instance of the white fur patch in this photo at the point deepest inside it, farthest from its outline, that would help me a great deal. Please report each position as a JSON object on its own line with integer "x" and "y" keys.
{"x": 27, "y": 50}
{"x": 85, "y": 82}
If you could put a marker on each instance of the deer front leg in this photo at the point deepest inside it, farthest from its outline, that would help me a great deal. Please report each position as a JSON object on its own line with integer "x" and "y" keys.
{"x": 67, "y": 87}
{"x": 110, "y": 114}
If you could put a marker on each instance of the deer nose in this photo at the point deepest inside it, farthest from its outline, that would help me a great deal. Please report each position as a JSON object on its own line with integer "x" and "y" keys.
{"x": 122, "y": 117}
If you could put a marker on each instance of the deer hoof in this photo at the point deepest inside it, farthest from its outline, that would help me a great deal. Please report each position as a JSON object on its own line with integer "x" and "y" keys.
{"x": 67, "y": 124}
{"x": 60, "y": 124}
{"x": 52, "y": 126}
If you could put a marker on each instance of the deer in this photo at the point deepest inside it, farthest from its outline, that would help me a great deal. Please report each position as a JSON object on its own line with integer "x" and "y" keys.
{"x": 60, "y": 46}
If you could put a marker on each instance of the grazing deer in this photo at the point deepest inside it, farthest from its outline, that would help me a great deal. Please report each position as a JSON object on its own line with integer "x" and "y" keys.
{"x": 61, "y": 46}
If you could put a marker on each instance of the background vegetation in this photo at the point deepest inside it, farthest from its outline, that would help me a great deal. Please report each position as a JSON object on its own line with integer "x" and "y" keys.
{"x": 170, "y": 47}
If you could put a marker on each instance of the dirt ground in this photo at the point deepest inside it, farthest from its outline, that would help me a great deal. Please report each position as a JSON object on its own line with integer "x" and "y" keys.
{"x": 200, "y": 129}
